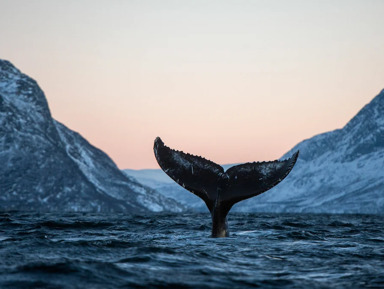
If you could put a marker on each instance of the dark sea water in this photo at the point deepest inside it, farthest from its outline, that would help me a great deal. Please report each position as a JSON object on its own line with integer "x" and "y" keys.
{"x": 176, "y": 251}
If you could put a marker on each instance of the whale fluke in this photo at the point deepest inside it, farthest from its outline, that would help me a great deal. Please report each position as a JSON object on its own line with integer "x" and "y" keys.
{"x": 220, "y": 190}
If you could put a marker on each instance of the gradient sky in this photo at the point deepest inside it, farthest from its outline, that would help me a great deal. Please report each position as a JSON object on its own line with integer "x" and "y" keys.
{"x": 234, "y": 81}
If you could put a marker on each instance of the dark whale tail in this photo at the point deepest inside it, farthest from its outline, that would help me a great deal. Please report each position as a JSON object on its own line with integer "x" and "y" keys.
{"x": 220, "y": 190}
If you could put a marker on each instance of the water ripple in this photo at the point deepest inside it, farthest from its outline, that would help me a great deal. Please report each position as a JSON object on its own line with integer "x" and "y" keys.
{"x": 176, "y": 251}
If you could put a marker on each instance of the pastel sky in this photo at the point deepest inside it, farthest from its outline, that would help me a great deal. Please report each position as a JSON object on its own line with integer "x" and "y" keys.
{"x": 234, "y": 81}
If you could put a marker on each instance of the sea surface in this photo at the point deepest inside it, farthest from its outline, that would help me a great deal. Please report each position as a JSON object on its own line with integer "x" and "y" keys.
{"x": 176, "y": 251}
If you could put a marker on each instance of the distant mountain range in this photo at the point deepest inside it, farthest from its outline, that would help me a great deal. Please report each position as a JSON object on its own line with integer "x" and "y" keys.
{"x": 341, "y": 171}
{"x": 44, "y": 166}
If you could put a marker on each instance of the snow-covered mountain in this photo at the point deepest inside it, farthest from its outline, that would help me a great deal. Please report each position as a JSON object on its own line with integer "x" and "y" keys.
{"x": 159, "y": 181}
{"x": 341, "y": 171}
{"x": 47, "y": 167}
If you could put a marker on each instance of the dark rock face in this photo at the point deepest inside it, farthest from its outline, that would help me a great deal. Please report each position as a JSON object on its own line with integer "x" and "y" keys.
{"x": 47, "y": 167}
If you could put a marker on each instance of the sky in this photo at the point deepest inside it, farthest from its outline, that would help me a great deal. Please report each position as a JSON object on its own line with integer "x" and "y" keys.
{"x": 233, "y": 81}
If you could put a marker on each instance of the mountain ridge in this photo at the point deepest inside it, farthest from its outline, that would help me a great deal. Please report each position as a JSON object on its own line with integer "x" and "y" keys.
{"x": 48, "y": 167}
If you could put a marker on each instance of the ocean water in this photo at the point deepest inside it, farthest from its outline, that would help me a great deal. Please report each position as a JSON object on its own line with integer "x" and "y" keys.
{"x": 176, "y": 251}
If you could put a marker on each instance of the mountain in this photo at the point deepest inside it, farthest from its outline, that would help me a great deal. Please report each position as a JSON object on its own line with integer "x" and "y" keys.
{"x": 159, "y": 181}
{"x": 341, "y": 171}
{"x": 47, "y": 167}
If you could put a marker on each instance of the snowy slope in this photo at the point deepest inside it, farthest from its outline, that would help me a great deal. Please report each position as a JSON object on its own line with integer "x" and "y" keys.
{"x": 341, "y": 171}
{"x": 158, "y": 180}
{"x": 153, "y": 178}
{"x": 47, "y": 167}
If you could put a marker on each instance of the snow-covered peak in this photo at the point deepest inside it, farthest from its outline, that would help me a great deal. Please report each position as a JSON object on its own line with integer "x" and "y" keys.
{"x": 337, "y": 172}
{"x": 7, "y": 67}
{"x": 372, "y": 112}
{"x": 363, "y": 134}
{"x": 20, "y": 92}
{"x": 47, "y": 167}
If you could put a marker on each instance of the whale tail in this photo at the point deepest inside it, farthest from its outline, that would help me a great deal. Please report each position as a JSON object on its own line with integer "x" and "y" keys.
{"x": 218, "y": 189}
